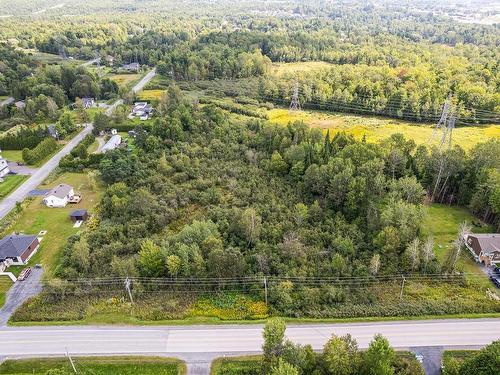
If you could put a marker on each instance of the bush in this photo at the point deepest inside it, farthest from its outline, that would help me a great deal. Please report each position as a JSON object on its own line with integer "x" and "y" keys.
{"x": 24, "y": 138}
{"x": 41, "y": 151}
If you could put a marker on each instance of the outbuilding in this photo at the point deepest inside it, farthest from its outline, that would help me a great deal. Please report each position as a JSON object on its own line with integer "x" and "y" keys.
{"x": 79, "y": 215}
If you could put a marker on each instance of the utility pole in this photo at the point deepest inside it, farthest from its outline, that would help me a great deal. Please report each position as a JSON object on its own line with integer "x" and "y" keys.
{"x": 265, "y": 289}
{"x": 127, "y": 288}
{"x": 295, "y": 104}
{"x": 402, "y": 287}
{"x": 71, "y": 361}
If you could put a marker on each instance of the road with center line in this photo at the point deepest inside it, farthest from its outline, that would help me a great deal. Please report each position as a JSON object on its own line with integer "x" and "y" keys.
{"x": 203, "y": 341}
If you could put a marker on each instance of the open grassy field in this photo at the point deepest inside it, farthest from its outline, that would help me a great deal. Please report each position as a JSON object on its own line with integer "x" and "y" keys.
{"x": 125, "y": 80}
{"x": 378, "y": 128}
{"x": 13, "y": 155}
{"x": 36, "y": 217}
{"x": 5, "y": 284}
{"x": 298, "y": 67}
{"x": 10, "y": 183}
{"x": 49, "y": 58}
{"x": 150, "y": 95}
{"x": 96, "y": 366}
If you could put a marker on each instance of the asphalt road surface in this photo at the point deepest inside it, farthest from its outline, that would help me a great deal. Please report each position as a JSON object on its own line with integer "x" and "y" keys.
{"x": 144, "y": 81}
{"x": 203, "y": 342}
{"x": 37, "y": 177}
{"x": 19, "y": 293}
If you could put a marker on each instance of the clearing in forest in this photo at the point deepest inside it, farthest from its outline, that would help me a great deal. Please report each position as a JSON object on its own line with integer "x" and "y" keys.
{"x": 378, "y": 128}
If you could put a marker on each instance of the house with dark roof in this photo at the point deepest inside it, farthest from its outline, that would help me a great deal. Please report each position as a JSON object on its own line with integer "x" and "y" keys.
{"x": 59, "y": 196}
{"x": 51, "y": 129}
{"x": 132, "y": 67}
{"x": 484, "y": 247}
{"x": 18, "y": 248}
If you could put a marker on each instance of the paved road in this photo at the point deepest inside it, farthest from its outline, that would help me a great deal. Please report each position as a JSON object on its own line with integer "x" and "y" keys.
{"x": 203, "y": 342}
{"x": 113, "y": 106}
{"x": 138, "y": 87}
{"x": 90, "y": 62}
{"x": 19, "y": 293}
{"x": 36, "y": 178}
{"x": 144, "y": 81}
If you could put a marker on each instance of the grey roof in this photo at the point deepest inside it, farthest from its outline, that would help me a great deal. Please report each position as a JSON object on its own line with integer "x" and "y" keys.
{"x": 488, "y": 242}
{"x": 52, "y": 130}
{"x": 60, "y": 191}
{"x": 14, "y": 245}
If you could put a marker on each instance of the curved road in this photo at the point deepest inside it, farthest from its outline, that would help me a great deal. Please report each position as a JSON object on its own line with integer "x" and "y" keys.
{"x": 41, "y": 174}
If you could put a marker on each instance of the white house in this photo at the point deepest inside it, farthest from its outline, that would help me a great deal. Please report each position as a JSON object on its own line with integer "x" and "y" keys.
{"x": 17, "y": 249}
{"x": 59, "y": 196}
{"x": 143, "y": 110}
{"x": 113, "y": 143}
{"x": 4, "y": 168}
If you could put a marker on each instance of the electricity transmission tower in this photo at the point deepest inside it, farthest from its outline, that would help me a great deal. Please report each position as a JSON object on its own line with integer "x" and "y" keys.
{"x": 295, "y": 104}
{"x": 445, "y": 125}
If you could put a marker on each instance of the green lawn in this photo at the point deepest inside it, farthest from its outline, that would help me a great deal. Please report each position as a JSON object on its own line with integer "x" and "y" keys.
{"x": 10, "y": 183}
{"x": 96, "y": 366}
{"x": 13, "y": 155}
{"x": 5, "y": 284}
{"x": 55, "y": 221}
{"x": 126, "y": 79}
{"x": 443, "y": 222}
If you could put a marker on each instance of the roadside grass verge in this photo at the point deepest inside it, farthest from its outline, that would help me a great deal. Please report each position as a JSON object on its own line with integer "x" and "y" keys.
{"x": 250, "y": 365}
{"x": 10, "y": 183}
{"x": 129, "y": 365}
{"x": 117, "y": 319}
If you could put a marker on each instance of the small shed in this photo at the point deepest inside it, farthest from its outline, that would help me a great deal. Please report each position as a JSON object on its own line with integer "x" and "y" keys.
{"x": 79, "y": 215}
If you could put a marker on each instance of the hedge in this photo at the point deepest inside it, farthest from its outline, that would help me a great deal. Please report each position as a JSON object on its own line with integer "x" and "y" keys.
{"x": 40, "y": 152}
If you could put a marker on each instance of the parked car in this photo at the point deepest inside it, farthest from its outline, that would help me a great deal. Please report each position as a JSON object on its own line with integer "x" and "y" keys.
{"x": 24, "y": 274}
{"x": 495, "y": 280}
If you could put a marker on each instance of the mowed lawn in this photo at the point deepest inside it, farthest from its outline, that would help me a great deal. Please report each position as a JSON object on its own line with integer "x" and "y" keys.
{"x": 442, "y": 222}
{"x": 96, "y": 366}
{"x": 378, "y": 128}
{"x": 10, "y": 183}
{"x": 55, "y": 221}
{"x": 12, "y": 155}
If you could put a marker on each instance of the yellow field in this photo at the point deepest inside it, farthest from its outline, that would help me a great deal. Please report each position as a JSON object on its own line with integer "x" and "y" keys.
{"x": 376, "y": 128}
{"x": 149, "y": 95}
{"x": 125, "y": 79}
{"x": 298, "y": 67}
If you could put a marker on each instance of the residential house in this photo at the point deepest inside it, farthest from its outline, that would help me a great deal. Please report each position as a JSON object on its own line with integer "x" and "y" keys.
{"x": 51, "y": 129}
{"x": 59, "y": 196}
{"x": 4, "y": 167}
{"x": 113, "y": 143}
{"x": 17, "y": 249}
{"x": 88, "y": 103}
{"x": 484, "y": 247}
{"x": 143, "y": 110}
{"x": 132, "y": 67}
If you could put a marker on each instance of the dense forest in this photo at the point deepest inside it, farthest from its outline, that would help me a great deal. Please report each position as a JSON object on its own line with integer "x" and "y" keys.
{"x": 384, "y": 59}
{"x": 216, "y": 202}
